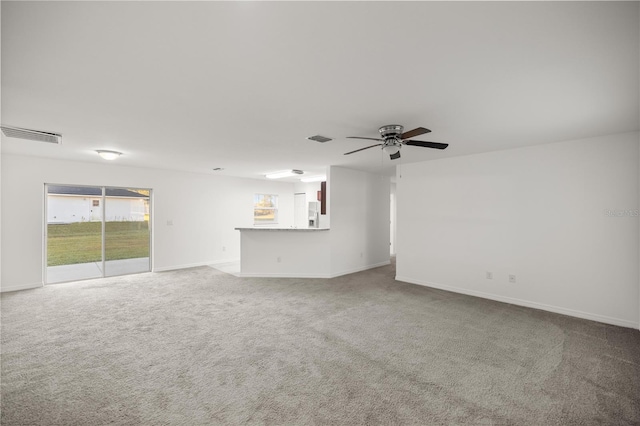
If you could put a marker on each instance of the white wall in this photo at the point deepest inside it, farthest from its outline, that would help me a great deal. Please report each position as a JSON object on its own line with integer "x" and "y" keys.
{"x": 359, "y": 217}
{"x": 204, "y": 210}
{"x": 538, "y": 213}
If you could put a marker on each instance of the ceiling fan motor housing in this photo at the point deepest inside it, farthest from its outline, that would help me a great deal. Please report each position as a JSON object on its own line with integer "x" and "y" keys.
{"x": 392, "y": 130}
{"x": 391, "y": 135}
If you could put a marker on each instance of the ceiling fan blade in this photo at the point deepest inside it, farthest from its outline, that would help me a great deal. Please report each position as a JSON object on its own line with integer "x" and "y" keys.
{"x": 362, "y": 149}
{"x": 394, "y": 156}
{"x": 436, "y": 145}
{"x": 358, "y": 137}
{"x": 415, "y": 132}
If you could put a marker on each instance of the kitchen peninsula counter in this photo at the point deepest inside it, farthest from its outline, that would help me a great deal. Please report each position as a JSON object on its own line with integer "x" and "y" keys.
{"x": 258, "y": 228}
{"x": 285, "y": 252}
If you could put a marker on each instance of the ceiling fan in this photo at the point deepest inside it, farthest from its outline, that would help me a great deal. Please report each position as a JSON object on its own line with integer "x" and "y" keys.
{"x": 393, "y": 138}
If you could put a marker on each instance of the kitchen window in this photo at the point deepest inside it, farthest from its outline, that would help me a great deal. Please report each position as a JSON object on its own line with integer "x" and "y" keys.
{"x": 265, "y": 209}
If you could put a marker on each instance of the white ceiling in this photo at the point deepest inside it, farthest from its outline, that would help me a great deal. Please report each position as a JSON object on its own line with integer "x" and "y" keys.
{"x": 240, "y": 85}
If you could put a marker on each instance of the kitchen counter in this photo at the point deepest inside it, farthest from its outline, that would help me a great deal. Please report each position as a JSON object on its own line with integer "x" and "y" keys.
{"x": 285, "y": 252}
{"x": 256, "y": 228}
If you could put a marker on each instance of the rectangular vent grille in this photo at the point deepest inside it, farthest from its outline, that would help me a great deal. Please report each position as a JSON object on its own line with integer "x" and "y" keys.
{"x": 32, "y": 135}
{"x": 318, "y": 138}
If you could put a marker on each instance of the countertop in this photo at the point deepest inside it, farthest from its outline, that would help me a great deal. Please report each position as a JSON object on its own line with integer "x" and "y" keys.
{"x": 259, "y": 228}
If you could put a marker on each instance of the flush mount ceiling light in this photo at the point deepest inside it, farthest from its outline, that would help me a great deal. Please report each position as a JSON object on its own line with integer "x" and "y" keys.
{"x": 314, "y": 179}
{"x": 283, "y": 174}
{"x": 108, "y": 155}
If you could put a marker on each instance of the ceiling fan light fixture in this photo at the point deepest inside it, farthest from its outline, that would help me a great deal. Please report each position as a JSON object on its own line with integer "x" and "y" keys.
{"x": 391, "y": 149}
{"x": 283, "y": 174}
{"x": 108, "y": 155}
{"x": 394, "y": 137}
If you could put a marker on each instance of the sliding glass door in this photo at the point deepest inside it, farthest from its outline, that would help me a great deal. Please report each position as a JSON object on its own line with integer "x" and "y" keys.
{"x": 94, "y": 232}
{"x": 74, "y": 233}
{"x": 126, "y": 231}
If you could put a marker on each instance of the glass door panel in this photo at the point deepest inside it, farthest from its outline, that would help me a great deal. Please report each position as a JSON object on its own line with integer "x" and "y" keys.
{"x": 126, "y": 231}
{"x": 74, "y": 233}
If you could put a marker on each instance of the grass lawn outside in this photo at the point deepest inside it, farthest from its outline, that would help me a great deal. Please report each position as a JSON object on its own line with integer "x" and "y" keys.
{"x": 81, "y": 242}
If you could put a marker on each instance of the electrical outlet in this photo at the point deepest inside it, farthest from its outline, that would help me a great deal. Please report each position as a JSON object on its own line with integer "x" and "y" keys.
{"x": 489, "y": 275}
{"x": 512, "y": 279}
{"x": 361, "y": 254}
{"x": 278, "y": 259}
{"x": 224, "y": 248}
{"x": 169, "y": 222}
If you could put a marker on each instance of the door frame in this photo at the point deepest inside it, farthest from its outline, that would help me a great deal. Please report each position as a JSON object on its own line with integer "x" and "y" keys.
{"x": 103, "y": 220}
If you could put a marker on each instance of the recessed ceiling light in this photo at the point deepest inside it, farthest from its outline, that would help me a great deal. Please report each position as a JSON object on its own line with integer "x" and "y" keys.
{"x": 282, "y": 174}
{"x": 108, "y": 155}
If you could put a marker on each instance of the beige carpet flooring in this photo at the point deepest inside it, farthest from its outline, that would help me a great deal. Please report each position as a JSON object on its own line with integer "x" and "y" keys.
{"x": 200, "y": 347}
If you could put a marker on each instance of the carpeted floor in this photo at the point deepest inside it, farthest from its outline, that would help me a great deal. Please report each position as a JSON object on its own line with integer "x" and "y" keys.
{"x": 199, "y": 346}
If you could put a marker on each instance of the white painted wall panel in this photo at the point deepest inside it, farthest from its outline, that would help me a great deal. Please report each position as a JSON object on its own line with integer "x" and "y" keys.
{"x": 539, "y": 213}
{"x": 359, "y": 220}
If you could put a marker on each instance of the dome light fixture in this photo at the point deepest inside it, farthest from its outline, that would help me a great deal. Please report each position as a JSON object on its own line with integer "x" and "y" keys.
{"x": 391, "y": 149}
{"x": 108, "y": 155}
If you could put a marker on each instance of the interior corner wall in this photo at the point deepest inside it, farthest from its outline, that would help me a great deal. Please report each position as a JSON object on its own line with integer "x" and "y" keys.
{"x": 0, "y": 159}
{"x": 0, "y": 214}
{"x": 359, "y": 220}
{"x": 561, "y": 217}
{"x": 325, "y": 219}
{"x": 204, "y": 210}
{"x": 393, "y": 221}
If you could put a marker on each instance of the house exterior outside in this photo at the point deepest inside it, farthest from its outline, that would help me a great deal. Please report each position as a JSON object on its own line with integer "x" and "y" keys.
{"x": 70, "y": 204}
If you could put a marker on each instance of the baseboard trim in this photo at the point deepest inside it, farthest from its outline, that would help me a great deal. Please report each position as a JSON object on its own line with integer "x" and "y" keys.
{"x": 360, "y": 269}
{"x": 222, "y": 262}
{"x": 187, "y": 265}
{"x": 282, "y": 275}
{"x": 528, "y": 304}
{"x": 18, "y": 287}
{"x": 303, "y": 275}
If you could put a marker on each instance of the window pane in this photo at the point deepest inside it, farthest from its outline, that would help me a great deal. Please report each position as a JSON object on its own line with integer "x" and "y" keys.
{"x": 265, "y": 208}
{"x": 74, "y": 233}
{"x": 265, "y": 200}
{"x": 126, "y": 231}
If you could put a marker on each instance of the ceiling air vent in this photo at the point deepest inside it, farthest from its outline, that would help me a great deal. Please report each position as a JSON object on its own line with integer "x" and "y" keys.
{"x": 318, "y": 138}
{"x": 32, "y": 135}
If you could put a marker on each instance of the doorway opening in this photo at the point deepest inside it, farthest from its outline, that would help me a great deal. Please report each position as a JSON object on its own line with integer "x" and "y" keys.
{"x": 95, "y": 232}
